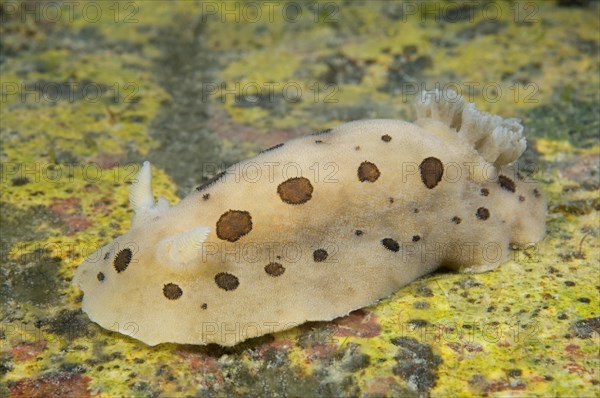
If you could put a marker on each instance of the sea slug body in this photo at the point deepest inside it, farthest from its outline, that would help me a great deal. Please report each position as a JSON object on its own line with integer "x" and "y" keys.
{"x": 317, "y": 227}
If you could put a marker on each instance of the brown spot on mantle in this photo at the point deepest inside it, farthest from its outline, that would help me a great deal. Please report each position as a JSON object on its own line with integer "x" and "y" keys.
{"x": 234, "y": 224}
{"x": 295, "y": 191}
{"x": 368, "y": 171}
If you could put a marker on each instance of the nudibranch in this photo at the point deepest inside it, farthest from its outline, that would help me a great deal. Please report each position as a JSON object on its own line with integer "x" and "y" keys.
{"x": 314, "y": 228}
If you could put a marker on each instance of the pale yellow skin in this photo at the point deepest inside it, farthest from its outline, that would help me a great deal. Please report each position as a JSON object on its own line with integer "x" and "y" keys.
{"x": 359, "y": 270}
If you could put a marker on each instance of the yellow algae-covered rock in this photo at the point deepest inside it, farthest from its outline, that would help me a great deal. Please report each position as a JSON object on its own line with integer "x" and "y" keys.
{"x": 317, "y": 227}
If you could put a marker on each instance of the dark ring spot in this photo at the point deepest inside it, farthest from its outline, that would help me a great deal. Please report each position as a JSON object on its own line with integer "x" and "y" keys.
{"x": 206, "y": 196}
{"x": 484, "y": 192}
{"x": 204, "y": 306}
{"x": 227, "y": 281}
{"x": 234, "y": 224}
{"x": 416, "y": 238}
{"x": 536, "y": 193}
{"x": 358, "y": 232}
{"x": 122, "y": 259}
{"x": 521, "y": 198}
{"x": 274, "y": 269}
{"x": 506, "y": 183}
{"x": 390, "y": 244}
{"x": 367, "y": 171}
{"x": 100, "y": 276}
{"x": 432, "y": 170}
{"x": 483, "y": 213}
{"x": 172, "y": 291}
{"x": 386, "y": 138}
{"x": 320, "y": 255}
{"x": 456, "y": 220}
{"x": 295, "y": 191}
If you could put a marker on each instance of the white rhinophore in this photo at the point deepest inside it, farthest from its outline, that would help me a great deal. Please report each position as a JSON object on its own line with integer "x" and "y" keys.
{"x": 141, "y": 198}
{"x": 140, "y": 194}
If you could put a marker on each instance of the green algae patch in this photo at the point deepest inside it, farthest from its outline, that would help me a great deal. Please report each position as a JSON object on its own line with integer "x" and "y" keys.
{"x": 575, "y": 122}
